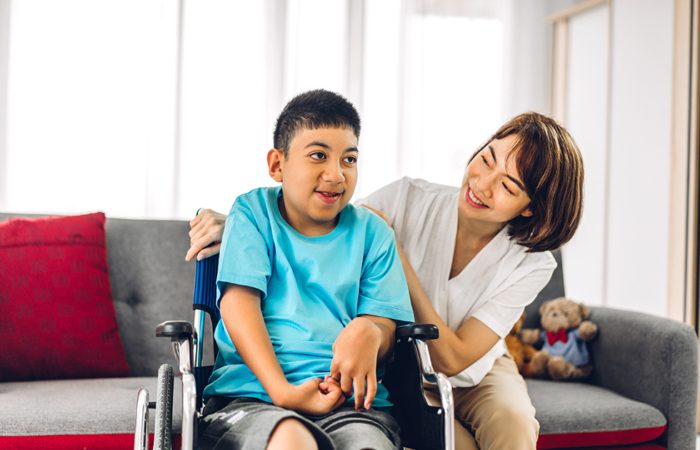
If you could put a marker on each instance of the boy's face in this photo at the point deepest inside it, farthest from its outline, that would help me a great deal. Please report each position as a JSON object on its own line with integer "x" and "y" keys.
{"x": 318, "y": 178}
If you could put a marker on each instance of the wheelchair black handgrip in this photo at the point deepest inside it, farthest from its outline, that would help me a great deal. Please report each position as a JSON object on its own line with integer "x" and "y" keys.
{"x": 426, "y": 331}
{"x": 173, "y": 328}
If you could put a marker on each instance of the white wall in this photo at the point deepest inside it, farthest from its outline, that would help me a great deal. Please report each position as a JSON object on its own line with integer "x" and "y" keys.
{"x": 640, "y": 154}
{"x": 586, "y": 120}
{"x": 4, "y": 52}
{"x": 619, "y": 112}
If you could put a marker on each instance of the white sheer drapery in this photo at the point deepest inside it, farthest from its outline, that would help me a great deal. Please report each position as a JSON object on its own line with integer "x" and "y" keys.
{"x": 153, "y": 108}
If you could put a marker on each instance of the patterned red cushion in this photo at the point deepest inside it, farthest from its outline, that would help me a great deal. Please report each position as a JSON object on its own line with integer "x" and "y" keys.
{"x": 57, "y": 318}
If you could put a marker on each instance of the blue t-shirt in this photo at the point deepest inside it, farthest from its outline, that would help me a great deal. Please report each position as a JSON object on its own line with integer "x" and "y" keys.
{"x": 312, "y": 287}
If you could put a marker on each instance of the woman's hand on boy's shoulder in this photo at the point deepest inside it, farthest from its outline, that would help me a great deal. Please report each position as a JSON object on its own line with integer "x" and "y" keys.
{"x": 379, "y": 213}
{"x": 206, "y": 228}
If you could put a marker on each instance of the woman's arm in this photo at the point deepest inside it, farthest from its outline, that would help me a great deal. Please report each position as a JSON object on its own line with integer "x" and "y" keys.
{"x": 452, "y": 352}
{"x": 206, "y": 228}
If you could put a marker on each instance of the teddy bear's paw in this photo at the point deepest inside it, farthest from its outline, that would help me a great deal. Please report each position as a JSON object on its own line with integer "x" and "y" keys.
{"x": 581, "y": 372}
{"x": 587, "y": 330}
{"x": 559, "y": 368}
{"x": 539, "y": 363}
{"x": 530, "y": 336}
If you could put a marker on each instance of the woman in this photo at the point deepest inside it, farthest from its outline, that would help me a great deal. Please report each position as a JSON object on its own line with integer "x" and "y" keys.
{"x": 474, "y": 257}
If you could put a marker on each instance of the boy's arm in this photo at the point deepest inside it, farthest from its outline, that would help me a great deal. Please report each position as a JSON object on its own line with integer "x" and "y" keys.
{"x": 240, "y": 311}
{"x": 388, "y": 331}
{"x": 363, "y": 344}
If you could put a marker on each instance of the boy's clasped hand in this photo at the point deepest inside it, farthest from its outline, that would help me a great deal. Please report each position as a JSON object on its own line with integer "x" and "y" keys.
{"x": 353, "y": 370}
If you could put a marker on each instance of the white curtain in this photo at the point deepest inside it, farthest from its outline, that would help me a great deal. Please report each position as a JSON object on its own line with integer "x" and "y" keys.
{"x": 154, "y": 108}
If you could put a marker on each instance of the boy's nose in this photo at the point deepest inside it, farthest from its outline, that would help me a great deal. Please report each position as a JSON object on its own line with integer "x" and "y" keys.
{"x": 333, "y": 174}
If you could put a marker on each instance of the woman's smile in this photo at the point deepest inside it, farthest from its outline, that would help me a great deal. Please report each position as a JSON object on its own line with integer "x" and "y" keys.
{"x": 473, "y": 200}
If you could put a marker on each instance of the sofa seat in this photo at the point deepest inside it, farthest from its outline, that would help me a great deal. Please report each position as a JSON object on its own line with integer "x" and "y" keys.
{"x": 99, "y": 414}
{"x": 584, "y": 415}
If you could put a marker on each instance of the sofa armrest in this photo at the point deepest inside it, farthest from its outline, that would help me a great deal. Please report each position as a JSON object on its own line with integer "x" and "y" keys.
{"x": 652, "y": 360}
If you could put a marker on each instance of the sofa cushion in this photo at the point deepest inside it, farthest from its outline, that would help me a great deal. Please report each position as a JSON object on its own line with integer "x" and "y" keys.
{"x": 583, "y": 415}
{"x": 98, "y": 412}
{"x": 57, "y": 318}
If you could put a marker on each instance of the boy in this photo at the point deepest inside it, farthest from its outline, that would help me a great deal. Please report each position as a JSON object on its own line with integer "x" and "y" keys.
{"x": 309, "y": 289}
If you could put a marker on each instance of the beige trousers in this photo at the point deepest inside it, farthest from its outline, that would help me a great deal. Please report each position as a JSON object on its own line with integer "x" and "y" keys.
{"x": 495, "y": 415}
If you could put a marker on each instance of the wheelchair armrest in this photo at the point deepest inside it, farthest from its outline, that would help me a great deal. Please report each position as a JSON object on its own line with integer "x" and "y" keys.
{"x": 423, "y": 426}
{"x": 425, "y": 331}
{"x": 174, "y": 328}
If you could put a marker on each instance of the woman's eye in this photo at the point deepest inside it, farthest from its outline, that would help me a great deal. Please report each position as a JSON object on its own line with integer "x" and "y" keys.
{"x": 318, "y": 155}
{"x": 485, "y": 162}
{"x": 509, "y": 191}
{"x": 350, "y": 160}
{"x": 566, "y": 314}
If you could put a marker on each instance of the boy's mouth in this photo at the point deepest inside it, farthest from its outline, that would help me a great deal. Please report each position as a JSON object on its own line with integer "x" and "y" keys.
{"x": 328, "y": 197}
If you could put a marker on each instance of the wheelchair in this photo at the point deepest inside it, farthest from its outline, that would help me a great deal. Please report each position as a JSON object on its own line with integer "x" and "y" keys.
{"x": 423, "y": 426}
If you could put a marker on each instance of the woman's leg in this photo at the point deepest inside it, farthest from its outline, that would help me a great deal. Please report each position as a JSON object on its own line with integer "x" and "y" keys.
{"x": 463, "y": 438}
{"x": 498, "y": 411}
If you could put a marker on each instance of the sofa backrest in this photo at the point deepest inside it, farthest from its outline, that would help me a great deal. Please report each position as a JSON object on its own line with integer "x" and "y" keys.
{"x": 553, "y": 289}
{"x": 151, "y": 283}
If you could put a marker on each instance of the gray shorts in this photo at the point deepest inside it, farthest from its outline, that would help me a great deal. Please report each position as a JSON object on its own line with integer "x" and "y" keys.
{"x": 247, "y": 423}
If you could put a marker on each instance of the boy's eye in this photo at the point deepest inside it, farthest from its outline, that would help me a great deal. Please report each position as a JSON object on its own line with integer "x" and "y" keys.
{"x": 485, "y": 162}
{"x": 318, "y": 155}
{"x": 350, "y": 159}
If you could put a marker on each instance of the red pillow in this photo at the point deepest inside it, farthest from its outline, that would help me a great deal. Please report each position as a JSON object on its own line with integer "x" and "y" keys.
{"x": 57, "y": 318}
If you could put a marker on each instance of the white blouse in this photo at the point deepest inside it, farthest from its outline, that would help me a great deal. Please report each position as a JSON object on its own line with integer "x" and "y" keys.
{"x": 494, "y": 287}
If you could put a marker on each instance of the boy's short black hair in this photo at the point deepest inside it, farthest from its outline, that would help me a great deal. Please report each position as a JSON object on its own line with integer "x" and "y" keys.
{"x": 313, "y": 110}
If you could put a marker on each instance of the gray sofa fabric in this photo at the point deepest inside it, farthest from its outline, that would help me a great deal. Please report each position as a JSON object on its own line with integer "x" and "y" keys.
{"x": 646, "y": 367}
{"x": 651, "y": 360}
{"x": 70, "y": 407}
{"x": 151, "y": 283}
{"x": 563, "y": 408}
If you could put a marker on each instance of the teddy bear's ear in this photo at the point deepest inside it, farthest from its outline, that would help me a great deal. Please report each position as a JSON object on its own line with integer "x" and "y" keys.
{"x": 584, "y": 311}
{"x": 543, "y": 307}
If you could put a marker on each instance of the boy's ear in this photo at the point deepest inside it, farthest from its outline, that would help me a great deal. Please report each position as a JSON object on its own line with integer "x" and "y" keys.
{"x": 275, "y": 160}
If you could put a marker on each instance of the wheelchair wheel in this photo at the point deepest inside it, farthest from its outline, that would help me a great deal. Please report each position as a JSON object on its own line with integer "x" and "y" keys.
{"x": 164, "y": 409}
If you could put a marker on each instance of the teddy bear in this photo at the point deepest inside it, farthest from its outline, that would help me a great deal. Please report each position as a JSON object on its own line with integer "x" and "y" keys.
{"x": 522, "y": 353}
{"x": 564, "y": 333}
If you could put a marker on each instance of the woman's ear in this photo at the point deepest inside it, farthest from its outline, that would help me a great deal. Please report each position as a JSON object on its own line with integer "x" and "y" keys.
{"x": 275, "y": 161}
{"x": 526, "y": 213}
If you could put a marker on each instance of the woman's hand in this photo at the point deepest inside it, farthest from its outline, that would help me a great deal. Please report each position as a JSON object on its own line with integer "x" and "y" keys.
{"x": 379, "y": 213}
{"x": 207, "y": 227}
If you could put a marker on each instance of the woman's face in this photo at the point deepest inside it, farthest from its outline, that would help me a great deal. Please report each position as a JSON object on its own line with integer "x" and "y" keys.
{"x": 492, "y": 190}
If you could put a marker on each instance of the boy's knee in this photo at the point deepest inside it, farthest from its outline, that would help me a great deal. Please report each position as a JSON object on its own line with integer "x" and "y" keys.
{"x": 291, "y": 434}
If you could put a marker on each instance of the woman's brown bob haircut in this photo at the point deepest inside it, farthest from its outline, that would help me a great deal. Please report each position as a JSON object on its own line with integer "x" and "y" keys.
{"x": 550, "y": 165}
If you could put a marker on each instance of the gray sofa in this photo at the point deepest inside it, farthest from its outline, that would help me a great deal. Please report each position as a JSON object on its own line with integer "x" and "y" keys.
{"x": 645, "y": 377}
